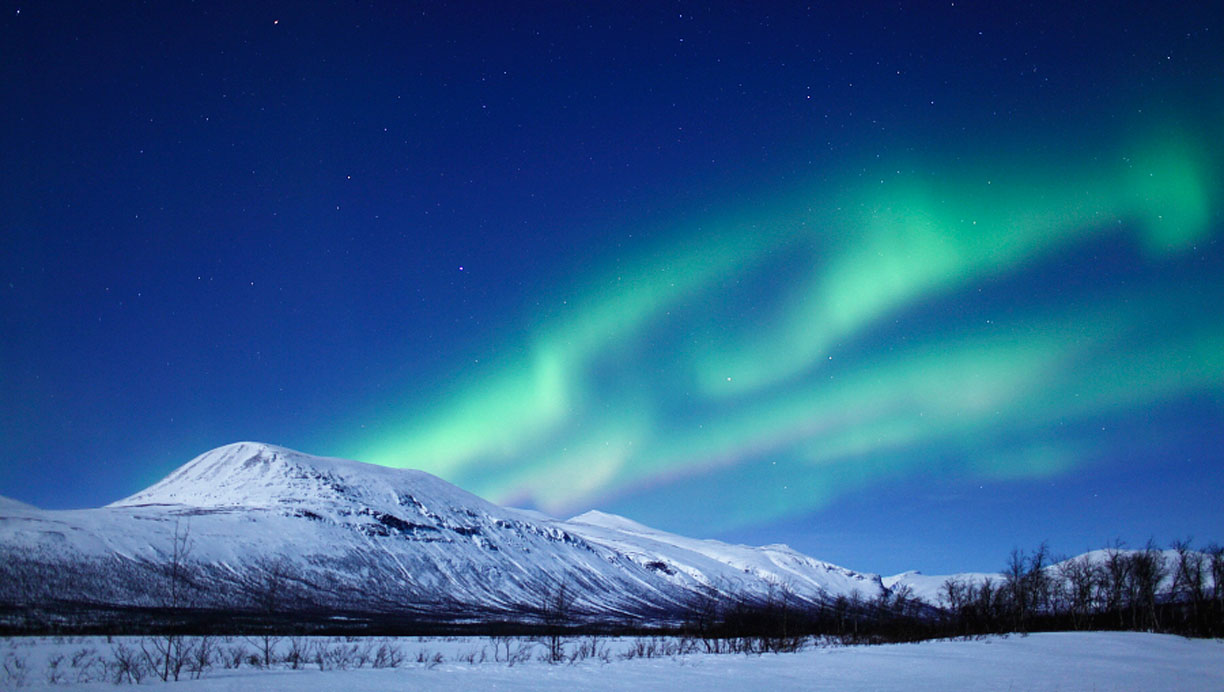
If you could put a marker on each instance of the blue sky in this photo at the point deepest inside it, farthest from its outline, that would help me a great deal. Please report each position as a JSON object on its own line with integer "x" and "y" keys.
{"x": 901, "y": 286}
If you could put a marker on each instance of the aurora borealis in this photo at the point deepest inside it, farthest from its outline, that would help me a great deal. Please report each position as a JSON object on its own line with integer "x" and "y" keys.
{"x": 904, "y": 287}
{"x": 656, "y": 376}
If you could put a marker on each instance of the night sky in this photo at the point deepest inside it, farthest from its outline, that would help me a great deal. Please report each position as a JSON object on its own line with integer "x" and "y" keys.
{"x": 903, "y": 285}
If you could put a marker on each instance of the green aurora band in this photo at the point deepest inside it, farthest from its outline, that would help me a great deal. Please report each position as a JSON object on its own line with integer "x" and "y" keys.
{"x": 766, "y": 341}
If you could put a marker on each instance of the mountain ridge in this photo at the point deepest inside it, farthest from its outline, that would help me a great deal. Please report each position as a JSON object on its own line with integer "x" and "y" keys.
{"x": 373, "y": 537}
{"x": 327, "y": 540}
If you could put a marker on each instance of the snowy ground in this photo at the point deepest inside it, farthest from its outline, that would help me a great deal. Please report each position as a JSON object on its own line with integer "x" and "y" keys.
{"x": 1056, "y": 661}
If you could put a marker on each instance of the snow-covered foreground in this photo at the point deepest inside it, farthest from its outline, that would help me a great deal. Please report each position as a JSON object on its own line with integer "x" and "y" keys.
{"x": 1053, "y": 661}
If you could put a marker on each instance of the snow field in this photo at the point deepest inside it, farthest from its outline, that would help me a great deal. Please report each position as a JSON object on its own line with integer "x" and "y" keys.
{"x": 1100, "y": 661}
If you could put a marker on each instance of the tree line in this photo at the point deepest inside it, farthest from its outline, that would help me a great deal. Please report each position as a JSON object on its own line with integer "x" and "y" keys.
{"x": 1177, "y": 591}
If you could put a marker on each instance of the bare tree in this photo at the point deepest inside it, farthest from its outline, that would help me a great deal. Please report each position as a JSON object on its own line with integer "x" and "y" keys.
{"x": 1037, "y": 581}
{"x": 556, "y": 613}
{"x": 1189, "y": 585}
{"x": 987, "y": 608}
{"x": 168, "y": 653}
{"x": 1078, "y": 580}
{"x": 904, "y": 603}
{"x": 702, "y": 616}
{"x": 1015, "y": 580}
{"x": 1114, "y": 575}
{"x": 268, "y": 583}
{"x": 1147, "y": 569}
{"x": 954, "y": 596}
{"x": 1215, "y": 559}
{"x": 177, "y": 570}
{"x": 779, "y": 622}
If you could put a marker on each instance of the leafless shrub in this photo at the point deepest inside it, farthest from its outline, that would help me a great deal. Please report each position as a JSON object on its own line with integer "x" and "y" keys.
{"x": 591, "y": 647}
{"x": 510, "y": 650}
{"x": 341, "y": 656}
{"x": 167, "y": 655}
{"x": 320, "y": 654}
{"x": 233, "y": 656}
{"x": 651, "y": 647}
{"x": 80, "y": 656}
{"x": 388, "y": 655}
{"x": 265, "y": 644}
{"x": 15, "y": 670}
{"x": 201, "y": 659}
{"x": 127, "y": 665}
{"x": 501, "y": 648}
{"x": 363, "y": 654}
{"x": 335, "y": 655}
{"x": 88, "y": 665}
{"x": 429, "y": 661}
{"x": 347, "y": 656}
{"x": 298, "y": 653}
{"x": 55, "y": 669}
{"x": 269, "y": 583}
{"x": 556, "y": 612}
{"x": 522, "y": 654}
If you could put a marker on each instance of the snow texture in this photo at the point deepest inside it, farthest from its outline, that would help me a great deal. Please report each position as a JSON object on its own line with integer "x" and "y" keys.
{"x": 1098, "y": 661}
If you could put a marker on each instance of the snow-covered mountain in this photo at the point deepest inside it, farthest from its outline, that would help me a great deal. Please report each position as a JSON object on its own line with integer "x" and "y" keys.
{"x": 346, "y": 535}
{"x": 929, "y": 588}
{"x": 752, "y": 569}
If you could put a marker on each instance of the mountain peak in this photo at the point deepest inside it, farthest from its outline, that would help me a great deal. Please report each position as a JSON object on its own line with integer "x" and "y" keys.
{"x": 233, "y": 474}
{"x": 257, "y": 474}
{"x": 611, "y": 521}
{"x": 8, "y": 503}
